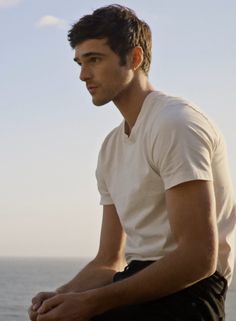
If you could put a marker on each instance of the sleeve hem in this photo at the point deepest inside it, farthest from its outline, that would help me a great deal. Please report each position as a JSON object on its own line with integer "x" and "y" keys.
{"x": 170, "y": 182}
{"x": 106, "y": 201}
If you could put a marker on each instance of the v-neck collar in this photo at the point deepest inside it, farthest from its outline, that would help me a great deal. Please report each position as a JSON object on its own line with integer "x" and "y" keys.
{"x": 131, "y": 138}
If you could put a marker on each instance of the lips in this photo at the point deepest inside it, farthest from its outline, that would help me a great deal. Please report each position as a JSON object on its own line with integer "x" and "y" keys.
{"x": 92, "y": 88}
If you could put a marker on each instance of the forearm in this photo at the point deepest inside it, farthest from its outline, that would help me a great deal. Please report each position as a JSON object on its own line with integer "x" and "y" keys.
{"x": 93, "y": 275}
{"x": 172, "y": 273}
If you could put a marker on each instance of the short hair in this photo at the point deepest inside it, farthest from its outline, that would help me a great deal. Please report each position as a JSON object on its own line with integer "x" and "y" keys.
{"x": 122, "y": 29}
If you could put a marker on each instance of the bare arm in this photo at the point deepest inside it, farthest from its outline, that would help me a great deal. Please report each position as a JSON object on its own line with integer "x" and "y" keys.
{"x": 191, "y": 208}
{"x": 99, "y": 272}
{"x": 110, "y": 257}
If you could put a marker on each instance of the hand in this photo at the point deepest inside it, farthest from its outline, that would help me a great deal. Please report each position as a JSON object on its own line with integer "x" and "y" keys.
{"x": 67, "y": 307}
{"x": 37, "y": 302}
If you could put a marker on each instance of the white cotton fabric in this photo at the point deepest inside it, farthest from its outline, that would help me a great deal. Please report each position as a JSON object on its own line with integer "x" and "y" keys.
{"x": 171, "y": 142}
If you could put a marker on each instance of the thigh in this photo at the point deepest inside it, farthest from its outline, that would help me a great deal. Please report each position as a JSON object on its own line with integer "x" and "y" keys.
{"x": 177, "y": 307}
{"x": 204, "y": 301}
{"x": 160, "y": 310}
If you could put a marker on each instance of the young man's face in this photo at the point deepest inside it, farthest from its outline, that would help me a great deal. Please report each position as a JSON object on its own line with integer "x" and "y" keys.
{"x": 102, "y": 72}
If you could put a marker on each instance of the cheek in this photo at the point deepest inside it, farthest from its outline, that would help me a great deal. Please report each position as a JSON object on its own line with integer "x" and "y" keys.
{"x": 118, "y": 77}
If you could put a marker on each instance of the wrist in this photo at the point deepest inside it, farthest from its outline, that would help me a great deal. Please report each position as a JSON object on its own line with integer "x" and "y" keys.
{"x": 107, "y": 298}
{"x": 59, "y": 290}
{"x": 99, "y": 300}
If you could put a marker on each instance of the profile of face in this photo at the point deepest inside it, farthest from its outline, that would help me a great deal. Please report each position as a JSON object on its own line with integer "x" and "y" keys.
{"x": 106, "y": 79}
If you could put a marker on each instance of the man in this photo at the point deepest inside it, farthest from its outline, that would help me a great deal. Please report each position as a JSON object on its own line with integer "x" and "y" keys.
{"x": 165, "y": 189}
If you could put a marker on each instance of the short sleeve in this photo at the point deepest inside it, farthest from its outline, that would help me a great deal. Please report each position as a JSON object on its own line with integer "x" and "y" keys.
{"x": 183, "y": 147}
{"x": 105, "y": 198}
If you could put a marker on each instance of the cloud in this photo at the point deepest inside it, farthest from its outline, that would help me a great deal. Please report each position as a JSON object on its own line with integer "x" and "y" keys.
{"x": 9, "y": 3}
{"x": 50, "y": 21}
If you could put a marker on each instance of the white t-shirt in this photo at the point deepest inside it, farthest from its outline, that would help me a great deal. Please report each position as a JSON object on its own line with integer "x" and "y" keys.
{"x": 171, "y": 142}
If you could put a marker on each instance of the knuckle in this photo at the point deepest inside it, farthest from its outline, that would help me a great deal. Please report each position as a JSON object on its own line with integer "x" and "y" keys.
{"x": 37, "y": 297}
{"x": 41, "y": 294}
{"x": 40, "y": 297}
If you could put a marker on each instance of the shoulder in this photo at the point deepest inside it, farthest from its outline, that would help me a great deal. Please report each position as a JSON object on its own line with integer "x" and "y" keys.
{"x": 180, "y": 115}
{"x": 178, "y": 110}
{"x": 181, "y": 125}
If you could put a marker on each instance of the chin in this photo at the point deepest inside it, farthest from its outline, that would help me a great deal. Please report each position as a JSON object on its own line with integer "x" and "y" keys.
{"x": 99, "y": 103}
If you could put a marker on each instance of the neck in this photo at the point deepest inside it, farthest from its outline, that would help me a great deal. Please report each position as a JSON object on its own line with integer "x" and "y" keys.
{"x": 130, "y": 101}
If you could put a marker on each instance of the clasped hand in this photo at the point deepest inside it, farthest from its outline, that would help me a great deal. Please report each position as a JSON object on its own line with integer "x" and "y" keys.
{"x": 51, "y": 306}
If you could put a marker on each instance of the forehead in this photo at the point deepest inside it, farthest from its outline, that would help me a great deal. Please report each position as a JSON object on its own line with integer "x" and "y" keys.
{"x": 92, "y": 45}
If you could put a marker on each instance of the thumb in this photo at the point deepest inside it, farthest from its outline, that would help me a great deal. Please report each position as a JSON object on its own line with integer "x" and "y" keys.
{"x": 50, "y": 303}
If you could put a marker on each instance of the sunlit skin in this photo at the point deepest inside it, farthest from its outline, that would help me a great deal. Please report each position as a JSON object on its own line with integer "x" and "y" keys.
{"x": 107, "y": 80}
{"x": 92, "y": 291}
{"x": 101, "y": 70}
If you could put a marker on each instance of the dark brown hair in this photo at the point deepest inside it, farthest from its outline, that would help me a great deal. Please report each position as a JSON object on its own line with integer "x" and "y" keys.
{"x": 120, "y": 26}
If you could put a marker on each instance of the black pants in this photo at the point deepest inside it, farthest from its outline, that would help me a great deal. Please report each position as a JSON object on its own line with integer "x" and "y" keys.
{"x": 203, "y": 301}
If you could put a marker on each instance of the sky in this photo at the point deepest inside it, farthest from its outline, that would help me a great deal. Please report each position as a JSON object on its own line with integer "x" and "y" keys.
{"x": 50, "y": 132}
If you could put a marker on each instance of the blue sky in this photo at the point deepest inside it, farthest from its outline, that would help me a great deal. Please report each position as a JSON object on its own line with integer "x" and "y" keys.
{"x": 50, "y": 132}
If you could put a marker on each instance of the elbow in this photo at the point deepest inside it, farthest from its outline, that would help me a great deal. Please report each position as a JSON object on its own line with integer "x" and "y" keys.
{"x": 206, "y": 263}
{"x": 211, "y": 264}
{"x": 210, "y": 256}
{"x": 201, "y": 260}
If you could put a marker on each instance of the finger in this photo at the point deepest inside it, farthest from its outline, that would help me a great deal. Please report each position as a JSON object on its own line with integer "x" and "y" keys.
{"x": 32, "y": 314}
{"x": 36, "y": 306}
{"x": 39, "y": 298}
{"x": 51, "y": 303}
{"x": 49, "y": 316}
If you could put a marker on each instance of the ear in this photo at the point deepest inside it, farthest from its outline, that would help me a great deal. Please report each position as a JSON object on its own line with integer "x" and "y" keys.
{"x": 137, "y": 57}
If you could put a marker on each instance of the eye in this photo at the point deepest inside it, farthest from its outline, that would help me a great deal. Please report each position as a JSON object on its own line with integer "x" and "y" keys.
{"x": 95, "y": 59}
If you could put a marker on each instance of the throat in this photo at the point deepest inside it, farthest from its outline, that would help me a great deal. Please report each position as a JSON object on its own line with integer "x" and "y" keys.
{"x": 127, "y": 129}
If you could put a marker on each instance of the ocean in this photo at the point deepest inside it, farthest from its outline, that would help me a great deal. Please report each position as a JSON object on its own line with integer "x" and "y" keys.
{"x": 22, "y": 278}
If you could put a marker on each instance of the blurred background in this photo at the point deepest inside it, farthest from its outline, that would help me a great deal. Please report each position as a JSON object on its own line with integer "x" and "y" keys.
{"x": 50, "y": 133}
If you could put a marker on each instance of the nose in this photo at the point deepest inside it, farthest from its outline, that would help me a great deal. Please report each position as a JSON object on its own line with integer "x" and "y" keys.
{"x": 85, "y": 73}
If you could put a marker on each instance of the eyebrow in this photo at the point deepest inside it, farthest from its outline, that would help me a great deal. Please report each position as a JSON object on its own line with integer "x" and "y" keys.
{"x": 88, "y": 54}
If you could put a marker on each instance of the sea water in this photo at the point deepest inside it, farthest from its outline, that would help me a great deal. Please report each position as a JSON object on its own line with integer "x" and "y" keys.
{"x": 22, "y": 278}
